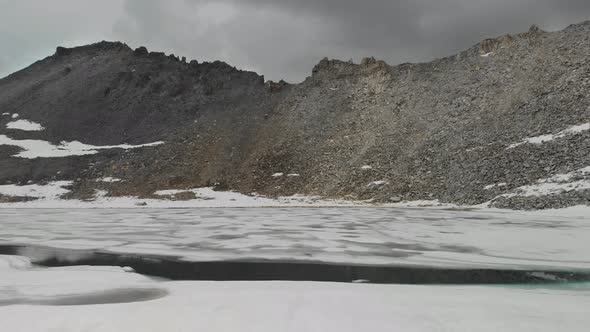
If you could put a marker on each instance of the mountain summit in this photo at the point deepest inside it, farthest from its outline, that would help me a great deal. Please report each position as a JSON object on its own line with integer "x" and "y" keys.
{"x": 505, "y": 122}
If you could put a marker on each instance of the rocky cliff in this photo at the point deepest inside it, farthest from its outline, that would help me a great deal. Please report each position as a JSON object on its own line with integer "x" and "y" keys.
{"x": 505, "y": 122}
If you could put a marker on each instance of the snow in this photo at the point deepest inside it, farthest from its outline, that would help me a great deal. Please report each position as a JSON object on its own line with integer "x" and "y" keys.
{"x": 276, "y": 306}
{"x": 15, "y": 115}
{"x": 293, "y": 175}
{"x": 544, "y": 189}
{"x": 21, "y": 282}
{"x": 42, "y": 149}
{"x": 171, "y": 192}
{"x": 556, "y": 184}
{"x": 478, "y": 238}
{"x": 492, "y": 186}
{"x": 550, "y": 137}
{"x": 5, "y": 114}
{"x": 25, "y": 125}
{"x": 49, "y": 191}
{"x": 366, "y": 167}
{"x": 109, "y": 180}
{"x": 487, "y": 54}
{"x": 278, "y": 175}
{"x": 206, "y": 198}
{"x": 377, "y": 184}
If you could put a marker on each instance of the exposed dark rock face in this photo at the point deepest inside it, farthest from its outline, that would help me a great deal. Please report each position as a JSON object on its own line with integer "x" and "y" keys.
{"x": 446, "y": 130}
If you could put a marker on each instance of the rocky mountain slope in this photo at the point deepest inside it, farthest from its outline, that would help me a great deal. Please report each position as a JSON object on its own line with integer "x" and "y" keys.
{"x": 506, "y": 122}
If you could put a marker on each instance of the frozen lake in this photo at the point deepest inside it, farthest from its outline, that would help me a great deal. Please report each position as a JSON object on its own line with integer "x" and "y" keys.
{"x": 113, "y": 298}
{"x": 375, "y": 236}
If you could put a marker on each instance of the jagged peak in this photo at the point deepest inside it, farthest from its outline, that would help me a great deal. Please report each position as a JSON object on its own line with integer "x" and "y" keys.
{"x": 100, "y": 46}
{"x": 142, "y": 51}
{"x": 582, "y": 26}
{"x": 490, "y": 45}
{"x": 535, "y": 29}
{"x": 344, "y": 68}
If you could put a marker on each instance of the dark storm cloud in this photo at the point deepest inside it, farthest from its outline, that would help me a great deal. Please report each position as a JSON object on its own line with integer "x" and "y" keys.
{"x": 285, "y": 38}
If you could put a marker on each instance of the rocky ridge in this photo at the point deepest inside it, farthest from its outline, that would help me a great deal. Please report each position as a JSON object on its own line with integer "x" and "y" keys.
{"x": 503, "y": 122}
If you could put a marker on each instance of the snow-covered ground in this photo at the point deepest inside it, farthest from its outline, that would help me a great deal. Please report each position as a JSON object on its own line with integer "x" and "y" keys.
{"x": 24, "y": 125}
{"x": 32, "y": 149}
{"x": 355, "y": 235}
{"x": 556, "y": 184}
{"x": 108, "y": 299}
{"x": 48, "y": 195}
{"x": 44, "y": 295}
{"x": 47, "y": 192}
{"x": 205, "y": 197}
{"x": 573, "y": 130}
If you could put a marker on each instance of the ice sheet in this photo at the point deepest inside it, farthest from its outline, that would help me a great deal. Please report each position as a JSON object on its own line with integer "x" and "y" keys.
{"x": 388, "y": 236}
{"x": 283, "y": 306}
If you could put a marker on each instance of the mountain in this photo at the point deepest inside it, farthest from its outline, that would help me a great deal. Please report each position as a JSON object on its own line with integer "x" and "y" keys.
{"x": 506, "y": 122}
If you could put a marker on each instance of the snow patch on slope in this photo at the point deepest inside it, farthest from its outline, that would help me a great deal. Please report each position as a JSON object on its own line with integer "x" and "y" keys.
{"x": 208, "y": 197}
{"x": 557, "y": 184}
{"x": 550, "y": 137}
{"x": 205, "y": 198}
{"x": 25, "y": 125}
{"x": 49, "y": 191}
{"x": 496, "y": 185}
{"x": 109, "y": 180}
{"x": 377, "y": 184}
{"x": 42, "y": 149}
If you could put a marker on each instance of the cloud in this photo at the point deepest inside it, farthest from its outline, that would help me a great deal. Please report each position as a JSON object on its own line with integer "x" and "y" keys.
{"x": 32, "y": 29}
{"x": 284, "y": 39}
{"x": 279, "y": 38}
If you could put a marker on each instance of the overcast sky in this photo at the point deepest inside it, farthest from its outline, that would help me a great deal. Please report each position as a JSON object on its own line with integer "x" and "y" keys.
{"x": 280, "y": 38}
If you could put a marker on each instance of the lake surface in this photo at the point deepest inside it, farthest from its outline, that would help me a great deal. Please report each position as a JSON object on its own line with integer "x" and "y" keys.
{"x": 360, "y": 236}
{"x": 250, "y": 269}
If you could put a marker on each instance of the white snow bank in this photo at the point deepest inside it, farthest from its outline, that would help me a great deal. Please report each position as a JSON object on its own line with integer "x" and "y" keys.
{"x": 278, "y": 175}
{"x": 206, "y": 198}
{"x": 560, "y": 183}
{"x": 109, "y": 180}
{"x": 22, "y": 282}
{"x": 366, "y": 167}
{"x": 25, "y": 125}
{"x": 550, "y": 137}
{"x": 15, "y": 115}
{"x": 377, "y": 184}
{"x": 492, "y": 186}
{"x": 5, "y": 114}
{"x": 43, "y": 149}
{"x": 171, "y": 192}
{"x": 49, "y": 191}
{"x": 285, "y": 306}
